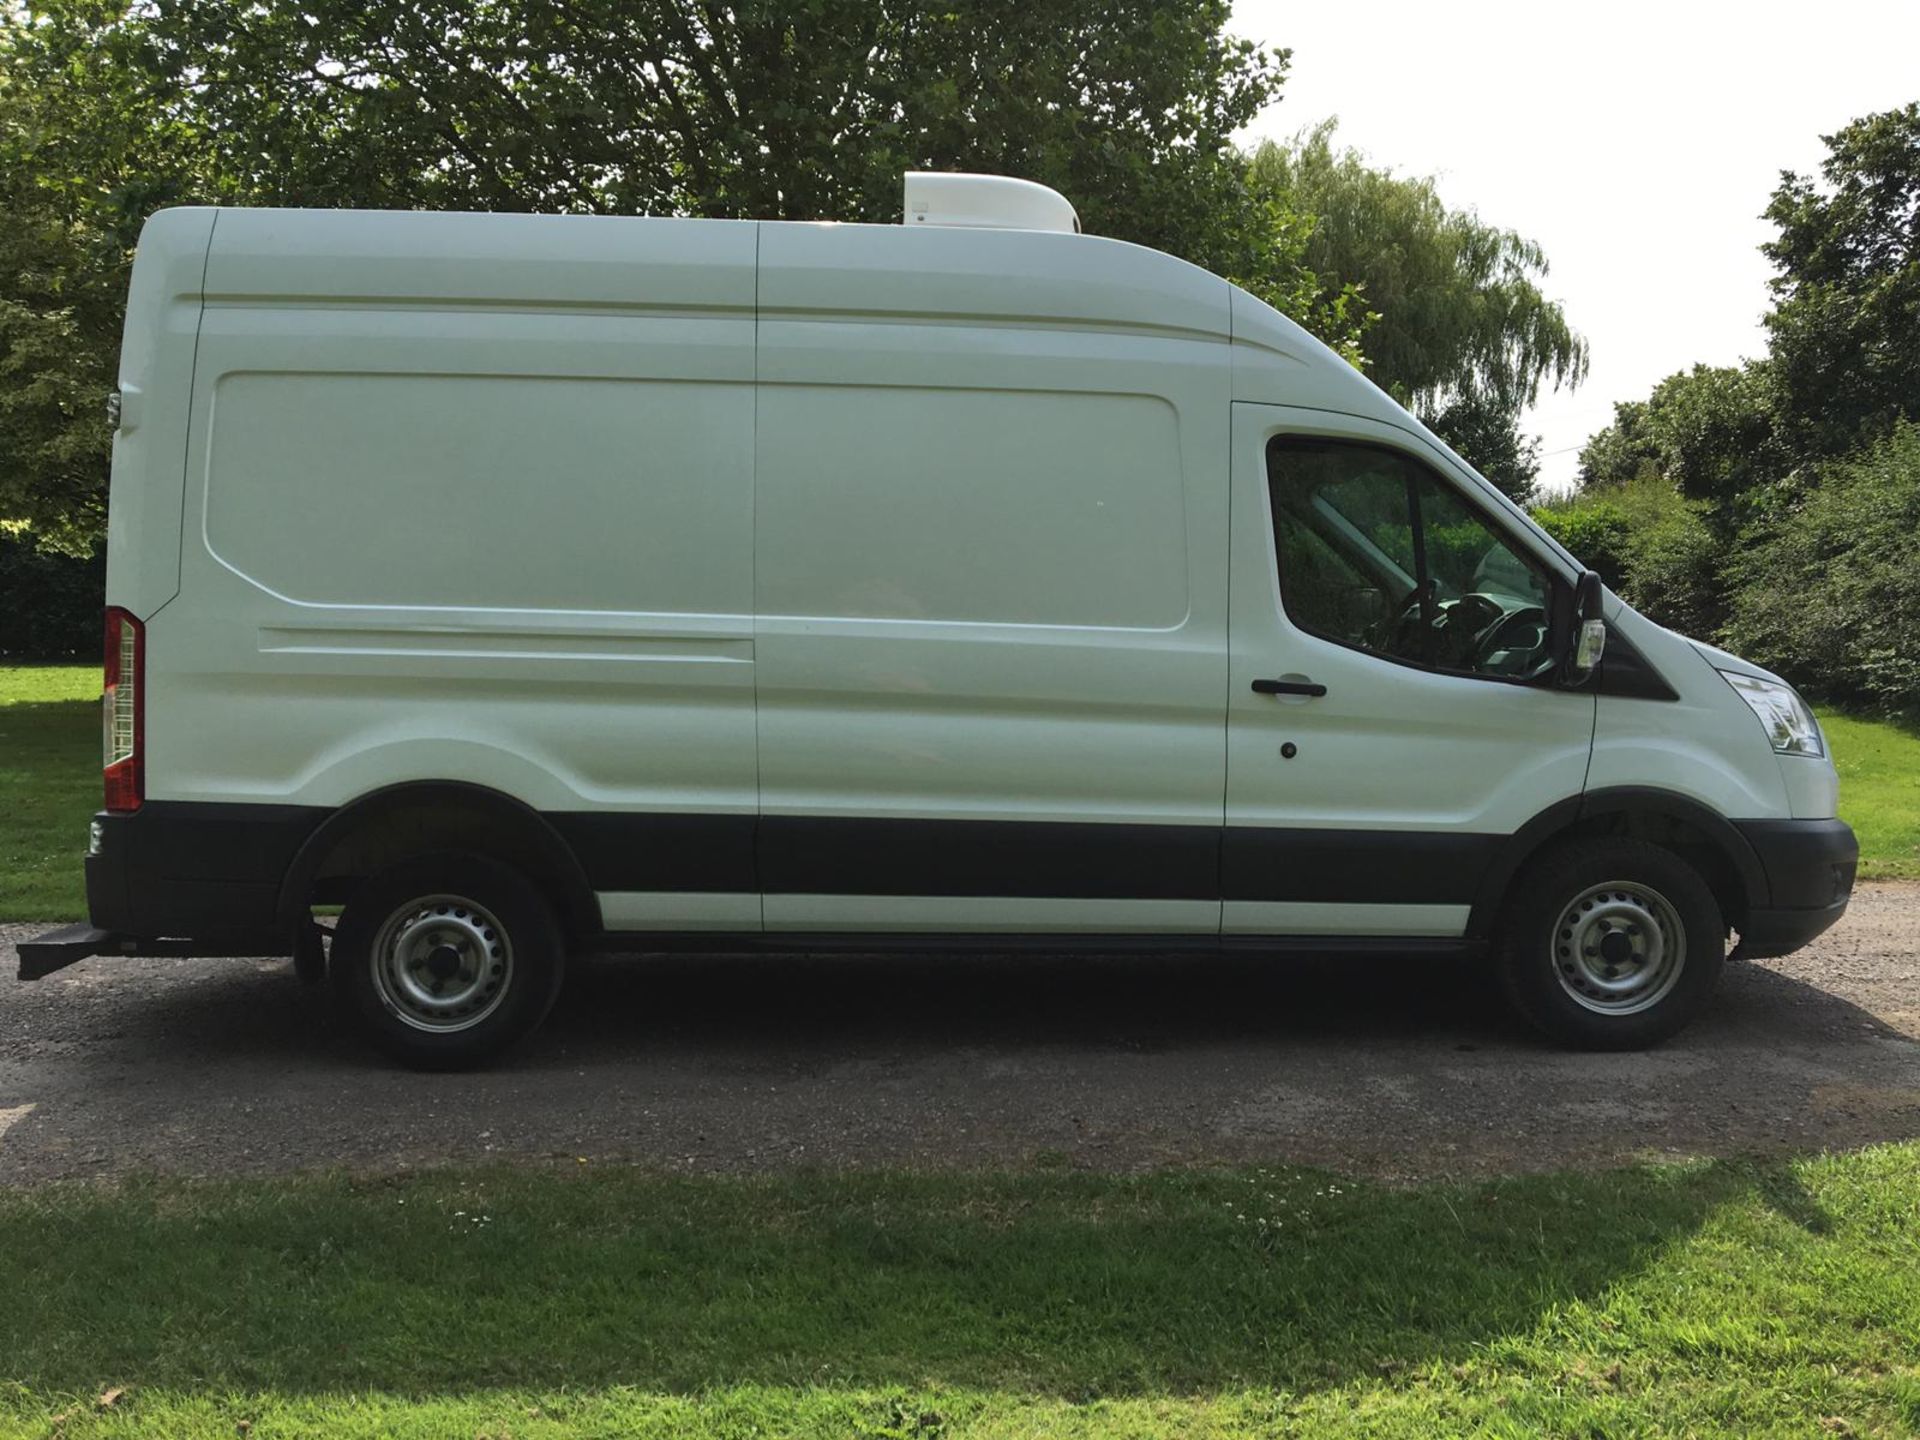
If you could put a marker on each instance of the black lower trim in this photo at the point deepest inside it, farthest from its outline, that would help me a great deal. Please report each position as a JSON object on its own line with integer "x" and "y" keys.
{"x": 620, "y": 850}
{"x": 215, "y": 872}
{"x": 847, "y": 856}
{"x": 1509, "y": 855}
{"x": 178, "y": 867}
{"x": 1768, "y": 933}
{"x": 1355, "y": 867}
{"x": 844, "y": 855}
{"x": 208, "y": 870}
{"x": 1810, "y": 867}
{"x": 1809, "y": 864}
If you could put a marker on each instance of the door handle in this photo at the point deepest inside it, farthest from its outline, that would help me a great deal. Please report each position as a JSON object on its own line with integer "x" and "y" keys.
{"x": 1288, "y": 687}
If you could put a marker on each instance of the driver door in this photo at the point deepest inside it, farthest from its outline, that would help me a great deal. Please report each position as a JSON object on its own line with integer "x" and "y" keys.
{"x": 1383, "y": 734}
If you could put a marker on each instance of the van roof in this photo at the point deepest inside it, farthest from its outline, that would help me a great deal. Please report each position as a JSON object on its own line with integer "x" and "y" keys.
{"x": 799, "y": 268}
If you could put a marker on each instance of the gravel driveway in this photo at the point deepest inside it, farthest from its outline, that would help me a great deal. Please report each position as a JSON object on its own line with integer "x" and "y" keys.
{"x": 1399, "y": 1070}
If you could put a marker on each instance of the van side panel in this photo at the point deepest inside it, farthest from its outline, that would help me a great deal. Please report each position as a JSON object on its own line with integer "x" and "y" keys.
{"x": 156, "y": 381}
{"x": 990, "y": 579}
{"x": 471, "y": 500}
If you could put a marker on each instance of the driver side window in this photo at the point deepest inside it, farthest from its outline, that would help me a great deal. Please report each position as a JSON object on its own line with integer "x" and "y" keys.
{"x": 1378, "y": 554}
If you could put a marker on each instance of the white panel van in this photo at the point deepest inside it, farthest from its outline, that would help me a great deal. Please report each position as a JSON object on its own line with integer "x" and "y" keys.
{"x": 528, "y": 584}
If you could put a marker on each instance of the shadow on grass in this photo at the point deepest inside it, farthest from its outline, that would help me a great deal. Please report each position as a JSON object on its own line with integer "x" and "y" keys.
{"x": 1071, "y": 1286}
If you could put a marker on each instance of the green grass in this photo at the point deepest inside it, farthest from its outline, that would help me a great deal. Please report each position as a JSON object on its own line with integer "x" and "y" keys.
{"x": 50, "y": 784}
{"x": 1879, "y": 764}
{"x": 1709, "y": 1299}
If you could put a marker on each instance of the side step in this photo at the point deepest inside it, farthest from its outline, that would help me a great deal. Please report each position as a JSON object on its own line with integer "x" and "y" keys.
{"x": 57, "y": 949}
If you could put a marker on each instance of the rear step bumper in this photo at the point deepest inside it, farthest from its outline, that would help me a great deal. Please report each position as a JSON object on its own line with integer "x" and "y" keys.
{"x": 57, "y": 949}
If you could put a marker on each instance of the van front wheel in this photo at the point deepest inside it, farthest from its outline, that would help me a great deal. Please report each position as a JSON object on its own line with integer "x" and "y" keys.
{"x": 1611, "y": 944}
{"x": 447, "y": 960}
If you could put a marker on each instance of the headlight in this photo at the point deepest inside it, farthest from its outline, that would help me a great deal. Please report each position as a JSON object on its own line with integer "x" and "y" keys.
{"x": 1784, "y": 715}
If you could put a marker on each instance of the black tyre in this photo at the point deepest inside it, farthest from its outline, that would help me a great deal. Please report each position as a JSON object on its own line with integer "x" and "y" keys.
{"x": 447, "y": 960}
{"x": 1610, "y": 944}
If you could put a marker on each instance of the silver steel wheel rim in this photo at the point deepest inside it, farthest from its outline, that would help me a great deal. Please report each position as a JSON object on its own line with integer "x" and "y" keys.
{"x": 442, "y": 963}
{"x": 1619, "y": 948}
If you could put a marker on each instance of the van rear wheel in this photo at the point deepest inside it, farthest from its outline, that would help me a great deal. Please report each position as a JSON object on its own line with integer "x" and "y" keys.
{"x": 447, "y": 960}
{"x": 1611, "y": 944}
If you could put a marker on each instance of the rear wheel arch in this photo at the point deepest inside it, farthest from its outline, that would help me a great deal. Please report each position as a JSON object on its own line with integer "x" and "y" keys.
{"x": 1704, "y": 839}
{"x": 402, "y": 822}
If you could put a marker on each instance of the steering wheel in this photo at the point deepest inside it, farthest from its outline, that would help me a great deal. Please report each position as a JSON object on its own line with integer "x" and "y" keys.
{"x": 1392, "y": 631}
{"x": 1525, "y": 629}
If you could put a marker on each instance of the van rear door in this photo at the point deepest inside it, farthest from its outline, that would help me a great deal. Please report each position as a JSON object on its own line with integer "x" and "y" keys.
{"x": 156, "y": 384}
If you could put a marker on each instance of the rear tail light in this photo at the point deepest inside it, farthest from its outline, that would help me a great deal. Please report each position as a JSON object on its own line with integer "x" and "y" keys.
{"x": 123, "y": 711}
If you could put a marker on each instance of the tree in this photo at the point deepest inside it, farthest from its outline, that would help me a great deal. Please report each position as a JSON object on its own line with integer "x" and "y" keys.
{"x": 759, "y": 109}
{"x": 84, "y": 158}
{"x": 1790, "y": 485}
{"x": 1487, "y": 433}
{"x": 1843, "y": 361}
{"x": 690, "y": 107}
{"x": 1621, "y": 453}
{"x": 1711, "y": 431}
{"x": 1845, "y": 328}
{"x": 1464, "y": 334}
{"x": 797, "y": 112}
{"x": 1827, "y": 588}
{"x": 1650, "y": 543}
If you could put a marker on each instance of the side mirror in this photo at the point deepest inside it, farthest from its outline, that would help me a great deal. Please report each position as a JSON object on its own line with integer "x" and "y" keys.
{"x": 1589, "y": 629}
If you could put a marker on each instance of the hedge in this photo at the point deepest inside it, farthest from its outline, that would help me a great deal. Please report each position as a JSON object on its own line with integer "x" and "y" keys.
{"x": 50, "y": 604}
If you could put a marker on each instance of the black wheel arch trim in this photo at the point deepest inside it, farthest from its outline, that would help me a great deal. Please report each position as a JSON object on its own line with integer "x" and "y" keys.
{"x": 580, "y": 906}
{"x": 1566, "y": 815}
{"x": 1725, "y": 836}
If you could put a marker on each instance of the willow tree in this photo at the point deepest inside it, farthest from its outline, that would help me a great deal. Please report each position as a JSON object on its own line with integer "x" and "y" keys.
{"x": 1464, "y": 335}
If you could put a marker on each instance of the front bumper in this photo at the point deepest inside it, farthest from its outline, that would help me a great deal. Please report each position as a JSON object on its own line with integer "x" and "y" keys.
{"x": 1810, "y": 867}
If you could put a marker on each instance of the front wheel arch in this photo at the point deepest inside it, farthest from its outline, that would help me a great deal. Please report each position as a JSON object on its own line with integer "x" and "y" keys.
{"x": 1703, "y": 839}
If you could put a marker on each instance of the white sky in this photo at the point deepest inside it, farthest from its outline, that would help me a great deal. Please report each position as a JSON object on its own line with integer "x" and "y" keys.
{"x": 1637, "y": 142}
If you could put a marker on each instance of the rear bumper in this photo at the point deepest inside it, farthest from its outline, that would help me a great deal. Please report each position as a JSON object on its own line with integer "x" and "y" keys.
{"x": 174, "y": 878}
{"x": 209, "y": 871}
{"x": 1810, "y": 867}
